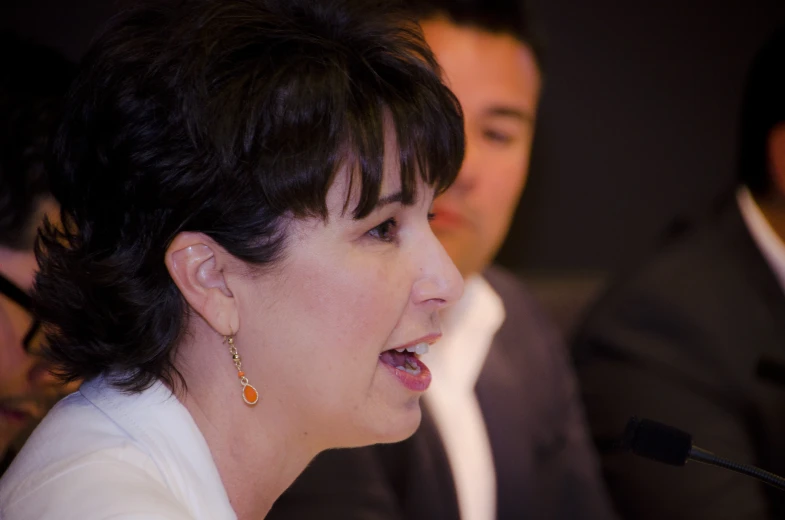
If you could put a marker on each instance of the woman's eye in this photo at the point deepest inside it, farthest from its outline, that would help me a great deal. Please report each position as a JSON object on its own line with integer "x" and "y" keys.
{"x": 386, "y": 231}
{"x": 431, "y": 216}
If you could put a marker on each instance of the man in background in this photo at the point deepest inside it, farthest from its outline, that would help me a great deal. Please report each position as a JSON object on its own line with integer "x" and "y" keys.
{"x": 696, "y": 337}
{"x": 502, "y": 435}
{"x": 32, "y": 84}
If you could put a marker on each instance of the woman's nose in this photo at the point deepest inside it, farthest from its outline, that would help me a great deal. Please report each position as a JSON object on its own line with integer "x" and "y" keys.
{"x": 440, "y": 283}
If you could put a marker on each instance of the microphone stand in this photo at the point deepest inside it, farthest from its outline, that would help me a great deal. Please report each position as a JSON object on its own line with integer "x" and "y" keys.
{"x": 669, "y": 445}
{"x": 706, "y": 457}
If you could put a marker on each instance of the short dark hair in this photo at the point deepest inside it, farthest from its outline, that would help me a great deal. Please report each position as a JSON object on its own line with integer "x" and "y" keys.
{"x": 763, "y": 107}
{"x": 511, "y": 17}
{"x": 33, "y": 84}
{"x": 225, "y": 117}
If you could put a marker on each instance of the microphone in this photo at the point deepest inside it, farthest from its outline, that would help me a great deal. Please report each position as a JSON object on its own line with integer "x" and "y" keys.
{"x": 669, "y": 445}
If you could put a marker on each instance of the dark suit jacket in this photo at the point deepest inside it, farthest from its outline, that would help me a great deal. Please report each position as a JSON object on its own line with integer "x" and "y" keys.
{"x": 545, "y": 465}
{"x": 681, "y": 341}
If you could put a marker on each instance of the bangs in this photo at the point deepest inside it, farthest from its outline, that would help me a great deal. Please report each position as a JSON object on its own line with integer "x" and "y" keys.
{"x": 335, "y": 108}
{"x": 430, "y": 140}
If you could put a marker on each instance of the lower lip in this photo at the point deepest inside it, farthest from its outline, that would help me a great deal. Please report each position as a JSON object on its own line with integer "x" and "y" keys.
{"x": 418, "y": 383}
{"x": 14, "y": 415}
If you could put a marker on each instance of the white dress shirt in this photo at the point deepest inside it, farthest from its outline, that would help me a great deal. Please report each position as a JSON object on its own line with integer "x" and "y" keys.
{"x": 456, "y": 361}
{"x": 769, "y": 243}
{"x": 101, "y": 453}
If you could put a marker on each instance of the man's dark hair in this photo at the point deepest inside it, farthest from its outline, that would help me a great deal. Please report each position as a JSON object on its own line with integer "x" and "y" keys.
{"x": 496, "y": 16}
{"x": 229, "y": 118}
{"x": 763, "y": 107}
{"x": 33, "y": 83}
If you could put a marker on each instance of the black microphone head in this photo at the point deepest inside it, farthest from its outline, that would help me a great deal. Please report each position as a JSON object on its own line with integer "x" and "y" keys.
{"x": 657, "y": 441}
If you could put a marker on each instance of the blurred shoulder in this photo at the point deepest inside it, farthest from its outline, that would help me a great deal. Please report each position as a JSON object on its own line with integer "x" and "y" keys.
{"x": 703, "y": 272}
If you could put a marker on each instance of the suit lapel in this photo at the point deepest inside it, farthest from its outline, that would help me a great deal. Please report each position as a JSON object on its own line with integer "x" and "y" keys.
{"x": 502, "y": 391}
{"x": 420, "y": 474}
{"x": 760, "y": 276}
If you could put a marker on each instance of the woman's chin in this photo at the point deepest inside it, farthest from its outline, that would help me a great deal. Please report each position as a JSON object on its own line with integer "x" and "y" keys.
{"x": 399, "y": 427}
{"x": 386, "y": 425}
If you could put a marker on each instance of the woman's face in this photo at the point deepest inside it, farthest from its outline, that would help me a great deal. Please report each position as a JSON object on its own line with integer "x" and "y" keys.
{"x": 317, "y": 333}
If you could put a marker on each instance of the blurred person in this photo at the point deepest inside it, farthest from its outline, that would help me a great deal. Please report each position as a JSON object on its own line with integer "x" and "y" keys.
{"x": 695, "y": 337}
{"x": 503, "y": 435}
{"x": 33, "y": 83}
{"x": 244, "y": 257}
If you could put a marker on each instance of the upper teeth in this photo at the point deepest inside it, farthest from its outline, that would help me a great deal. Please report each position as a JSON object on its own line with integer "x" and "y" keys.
{"x": 420, "y": 348}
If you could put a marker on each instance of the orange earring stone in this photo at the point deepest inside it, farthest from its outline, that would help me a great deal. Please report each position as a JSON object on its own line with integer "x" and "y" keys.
{"x": 250, "y": 395}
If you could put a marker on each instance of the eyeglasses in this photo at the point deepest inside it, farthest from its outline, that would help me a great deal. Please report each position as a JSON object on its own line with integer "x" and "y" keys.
{"x": 12, "y": 291}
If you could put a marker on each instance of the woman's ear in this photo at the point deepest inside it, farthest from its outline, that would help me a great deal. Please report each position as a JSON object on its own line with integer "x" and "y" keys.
{"x": 196, "y": 264}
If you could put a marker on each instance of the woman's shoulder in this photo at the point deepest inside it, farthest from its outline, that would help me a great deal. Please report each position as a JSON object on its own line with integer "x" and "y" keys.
{"x": 118, "y": 483}
{"x": 78, "y": 451}
{"x": 137, "y": 455}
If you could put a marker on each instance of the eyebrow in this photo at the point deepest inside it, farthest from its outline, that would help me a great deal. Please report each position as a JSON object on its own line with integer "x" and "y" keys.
{"x": 389, "y": 199}
{"x": 506, "y": 111}
{"x": 384, "y": 201}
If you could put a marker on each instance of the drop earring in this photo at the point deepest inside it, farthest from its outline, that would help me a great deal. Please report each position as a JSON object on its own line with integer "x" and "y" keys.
{"x": 250, "y": 395}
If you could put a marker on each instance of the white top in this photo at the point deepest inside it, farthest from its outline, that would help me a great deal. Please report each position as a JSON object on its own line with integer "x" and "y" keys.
{"x": 103, "y": 454}
{"x": 769, "y": 243}
{"x": 456, "y": 362}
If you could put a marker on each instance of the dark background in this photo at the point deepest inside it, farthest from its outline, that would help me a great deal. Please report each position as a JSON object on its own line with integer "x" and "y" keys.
{"x": 637, "y": 124}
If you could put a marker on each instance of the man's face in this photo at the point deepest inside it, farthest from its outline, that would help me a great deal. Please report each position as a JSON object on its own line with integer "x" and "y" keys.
{"x": 22, "y": 396}
{"x": 496, "y": 79}
{"x": 27, "y": 388}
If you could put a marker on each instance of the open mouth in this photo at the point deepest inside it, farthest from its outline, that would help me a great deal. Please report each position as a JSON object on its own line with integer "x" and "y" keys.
{"x": 406, "y": 359}
{"x": 406, "y": 365}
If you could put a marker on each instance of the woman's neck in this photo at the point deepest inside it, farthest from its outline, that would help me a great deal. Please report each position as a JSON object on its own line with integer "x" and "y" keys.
{"x": 258, "y": 450}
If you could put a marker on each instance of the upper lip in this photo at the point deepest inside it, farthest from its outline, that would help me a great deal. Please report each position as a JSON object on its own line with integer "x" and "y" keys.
{"x": 429, "y": 339}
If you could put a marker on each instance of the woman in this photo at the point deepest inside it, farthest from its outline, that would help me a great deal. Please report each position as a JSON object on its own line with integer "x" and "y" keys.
{"x": 245, "y": 274}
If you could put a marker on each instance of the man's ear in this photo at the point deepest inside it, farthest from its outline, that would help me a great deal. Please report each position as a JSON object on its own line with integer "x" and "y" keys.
{"x": 196, "y": 264}
{"x": 776, "y": 153}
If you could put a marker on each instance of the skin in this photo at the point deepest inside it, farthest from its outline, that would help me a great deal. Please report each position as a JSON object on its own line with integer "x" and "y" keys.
{"x": 310, "y": 330}
{"x": 773, "y": 205}
{"x": 497, "y": 81}
{"x": 26, "y": 386}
